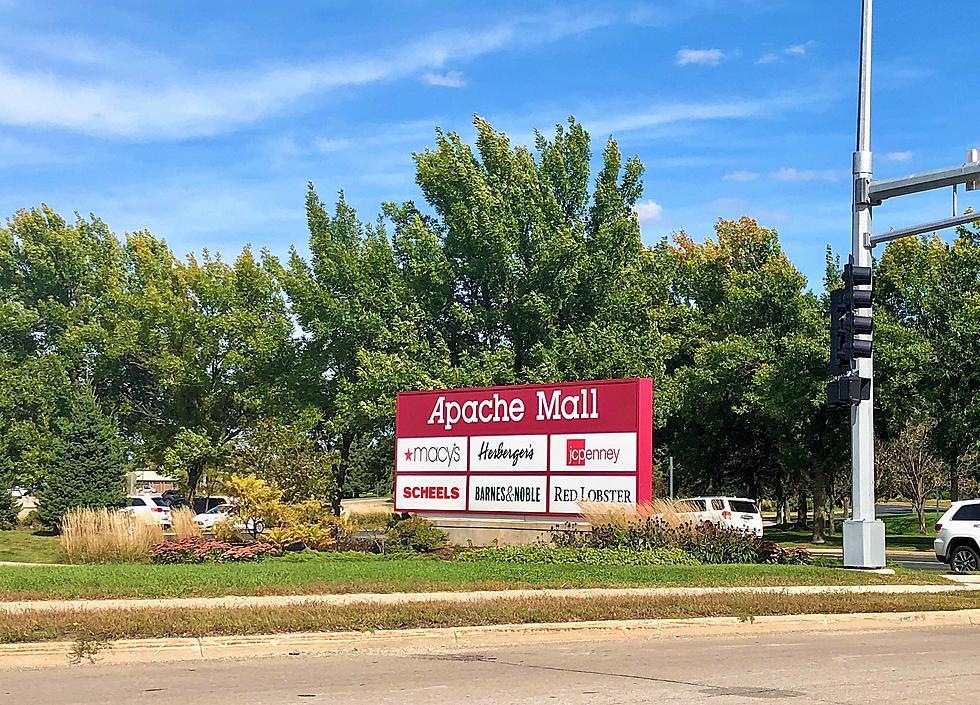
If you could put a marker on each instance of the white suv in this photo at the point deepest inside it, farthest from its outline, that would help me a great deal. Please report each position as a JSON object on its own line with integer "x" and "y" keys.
{"x": 731, "y": 512}
{"x": 148, "y": 508}
{"x": 958, "y": 537}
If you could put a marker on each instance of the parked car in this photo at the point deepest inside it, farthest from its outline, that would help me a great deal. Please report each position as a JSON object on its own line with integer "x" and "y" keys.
{"x": 207, "y": 520}
{"x": 148, "y": 507}
{"x": 731, "y": 512}
{"x": 958, "y": 537}
{"x": 206, "y": 504}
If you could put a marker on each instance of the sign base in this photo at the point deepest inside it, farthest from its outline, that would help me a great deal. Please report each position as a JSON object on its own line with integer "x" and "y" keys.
{"x": 864, "y": 544}
{"x": 502, "y": 531}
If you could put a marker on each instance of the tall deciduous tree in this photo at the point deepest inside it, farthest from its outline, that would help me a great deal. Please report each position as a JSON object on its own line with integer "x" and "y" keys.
{"x": 201, "y": 349}
{"x": 914, "y": 468}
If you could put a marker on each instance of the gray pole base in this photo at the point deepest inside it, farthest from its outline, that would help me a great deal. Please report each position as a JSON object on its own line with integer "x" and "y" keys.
{"x": 864, "y": 544}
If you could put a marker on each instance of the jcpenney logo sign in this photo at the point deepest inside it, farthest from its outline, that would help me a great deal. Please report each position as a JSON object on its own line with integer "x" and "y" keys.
{"x": 593, "y": 452}
{"x": 577, "y": 454}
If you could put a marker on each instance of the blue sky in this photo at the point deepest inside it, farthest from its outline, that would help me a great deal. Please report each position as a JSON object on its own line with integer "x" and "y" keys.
{"x": 203, "y": 121}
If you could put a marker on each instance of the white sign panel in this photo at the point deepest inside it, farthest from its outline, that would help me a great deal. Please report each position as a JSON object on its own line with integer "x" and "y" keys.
{"x": 591, "y": 452}
{"x": 508, "y": 454}
{"x": 447, "y": 454}
{"x": 508, "y": 493}
{"x": 566, "y": 491}
{"x": 445, "y": 492}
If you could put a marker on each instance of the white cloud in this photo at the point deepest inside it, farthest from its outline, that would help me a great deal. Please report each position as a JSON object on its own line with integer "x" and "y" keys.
{"x": 788, "y": 173}
{"x": 741, "y": 176}
{"x": 792, "y": 50}
{"x": 898, "y": 156}
{"x": 326, "y": 145}
{"x": 702, "y": 57}
{"x": 449, "y": 79}
{"x": 176, "y": 101}
{"x": 648, "y": 211}
{"x": 735, "y": 108}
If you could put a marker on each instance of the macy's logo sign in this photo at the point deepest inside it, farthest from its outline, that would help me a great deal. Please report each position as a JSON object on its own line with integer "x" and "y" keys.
{"x": 576, "y": 454}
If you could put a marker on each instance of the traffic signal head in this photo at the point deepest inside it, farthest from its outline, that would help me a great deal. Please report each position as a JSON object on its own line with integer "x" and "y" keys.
{"x": 845, "y": 327}
{"x": 847, "y": 390}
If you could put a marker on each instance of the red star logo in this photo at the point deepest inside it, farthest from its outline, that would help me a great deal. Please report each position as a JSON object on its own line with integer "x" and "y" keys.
{"x": 408, "y": 455}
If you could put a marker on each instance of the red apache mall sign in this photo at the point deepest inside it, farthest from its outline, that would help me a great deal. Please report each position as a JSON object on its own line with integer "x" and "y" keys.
{"x": 536, "y": 449}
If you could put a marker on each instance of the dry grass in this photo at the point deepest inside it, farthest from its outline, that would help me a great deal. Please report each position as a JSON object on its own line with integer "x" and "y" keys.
{"x": 672, "y": 512}
{"x": 182, "y": 520}
{"x": 369, "y": 521}
{"x": 199, "y": 622}
{"x": 103, "y": 536}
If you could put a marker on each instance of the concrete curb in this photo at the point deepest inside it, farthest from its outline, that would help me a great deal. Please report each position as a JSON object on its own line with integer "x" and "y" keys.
{"x": 127, "y": 651}
{"x": 238, "y": 602}
{"x": 839, "y": 553}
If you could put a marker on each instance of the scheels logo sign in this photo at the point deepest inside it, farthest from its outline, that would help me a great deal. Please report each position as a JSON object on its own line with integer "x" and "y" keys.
{"x": 576, "y": 453}
{"x": 432, "y": 492}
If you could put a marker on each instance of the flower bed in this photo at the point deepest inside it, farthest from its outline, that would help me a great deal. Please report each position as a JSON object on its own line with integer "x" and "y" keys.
{"x": 195, "y": 549}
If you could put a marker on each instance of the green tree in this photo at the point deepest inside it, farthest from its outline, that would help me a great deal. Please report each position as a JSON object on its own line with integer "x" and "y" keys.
{"x": 9, "y": 508}
{"x": 288, "y": 457}
{"x": 745, "y": 368}
{"x": 201, "y": 349}
{"x": 89, "y": 466}
{"x": 59, "y": 283}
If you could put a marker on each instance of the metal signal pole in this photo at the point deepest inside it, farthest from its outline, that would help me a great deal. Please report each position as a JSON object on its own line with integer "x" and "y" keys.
{"x": 864, "y": 535}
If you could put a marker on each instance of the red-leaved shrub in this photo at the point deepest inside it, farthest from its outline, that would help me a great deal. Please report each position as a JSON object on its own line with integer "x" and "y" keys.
{"x": 195, "y": 549}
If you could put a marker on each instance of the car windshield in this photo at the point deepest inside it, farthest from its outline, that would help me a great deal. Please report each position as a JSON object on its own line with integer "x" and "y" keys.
{"x": 740, "y": 505}
{"x": 160, "y": 502}
{"x": 136, "y": 502}
{"x": 697, "y": 505}
{"x": 220, "y": 509}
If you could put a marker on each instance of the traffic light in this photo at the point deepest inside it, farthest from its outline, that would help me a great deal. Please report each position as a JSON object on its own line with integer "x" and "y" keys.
{"x": 845, "y": 346}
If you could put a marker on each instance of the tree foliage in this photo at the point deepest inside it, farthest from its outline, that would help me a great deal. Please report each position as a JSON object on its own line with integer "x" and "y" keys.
{"x": 88, "y": 465}
{"x": 519, "y": 264}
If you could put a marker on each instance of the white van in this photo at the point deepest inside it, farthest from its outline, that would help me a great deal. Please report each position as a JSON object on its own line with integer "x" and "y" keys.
{"x": 731, "y": 512}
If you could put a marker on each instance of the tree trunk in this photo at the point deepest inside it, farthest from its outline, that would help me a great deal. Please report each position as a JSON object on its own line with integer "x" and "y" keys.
{"x": 920, "y": 512}
{"x": 194, "y": 474}
{"x": 954, "y": 484}
{"x": 831, "y": 524}
{"x": 819, "y": 506}
{"x": 340, "y": 475}
{"x": 801, "y": 510}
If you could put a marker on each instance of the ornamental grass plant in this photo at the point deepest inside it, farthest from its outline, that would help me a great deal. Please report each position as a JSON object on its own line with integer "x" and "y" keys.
{"x": 106, "y": 536}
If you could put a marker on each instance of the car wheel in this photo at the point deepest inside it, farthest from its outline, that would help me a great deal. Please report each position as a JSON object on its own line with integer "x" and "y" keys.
{"x": 964, "y": 559}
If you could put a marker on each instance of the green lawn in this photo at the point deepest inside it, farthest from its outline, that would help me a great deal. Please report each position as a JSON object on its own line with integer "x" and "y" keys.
{"x": 901, "y": 534}
{"x": 26, "y": 546}
{"x": 338, "y": 575}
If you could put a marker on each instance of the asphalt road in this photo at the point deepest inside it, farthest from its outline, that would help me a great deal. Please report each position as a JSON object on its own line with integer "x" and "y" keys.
{"x": 906, "y": 666}
{"x": 927, "y": 561}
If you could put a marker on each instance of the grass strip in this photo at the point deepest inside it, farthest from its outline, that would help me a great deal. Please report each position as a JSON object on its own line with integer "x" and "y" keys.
{"x": 150, "y": 623}
{"x": 334, "y": 576}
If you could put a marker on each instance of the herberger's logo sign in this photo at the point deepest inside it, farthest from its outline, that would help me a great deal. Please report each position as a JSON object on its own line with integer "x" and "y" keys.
{"x": 527, "y": 450}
